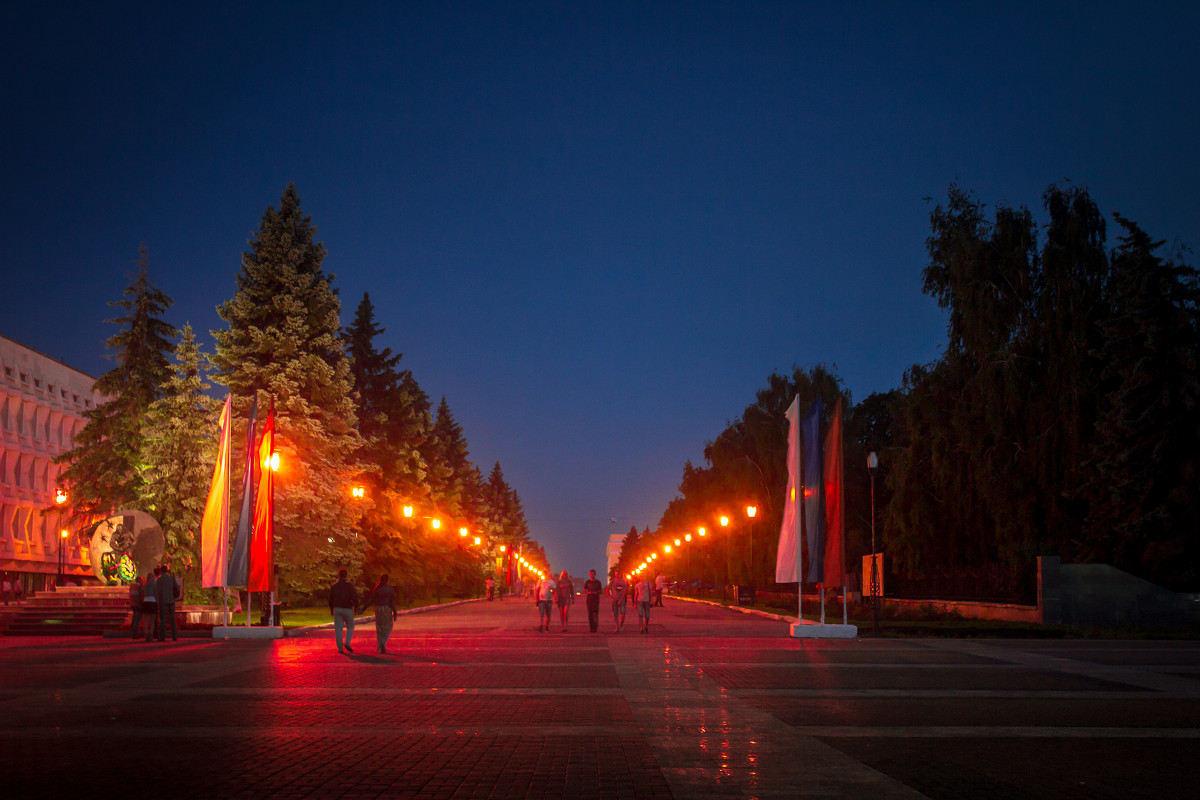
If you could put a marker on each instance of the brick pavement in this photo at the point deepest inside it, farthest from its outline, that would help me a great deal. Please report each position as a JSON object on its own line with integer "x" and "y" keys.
{"x": 472, "y": 701}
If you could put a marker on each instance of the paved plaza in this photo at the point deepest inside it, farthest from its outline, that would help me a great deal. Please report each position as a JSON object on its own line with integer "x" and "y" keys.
{"x": 472, "y": 701}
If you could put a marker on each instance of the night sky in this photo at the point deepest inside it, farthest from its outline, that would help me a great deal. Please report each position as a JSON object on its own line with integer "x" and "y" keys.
{"x": 595, "y": 228}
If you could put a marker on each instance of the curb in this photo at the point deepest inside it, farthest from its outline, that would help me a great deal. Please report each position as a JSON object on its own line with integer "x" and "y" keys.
{"x": 371, "y": 617}
{"x": 753, "y": 611}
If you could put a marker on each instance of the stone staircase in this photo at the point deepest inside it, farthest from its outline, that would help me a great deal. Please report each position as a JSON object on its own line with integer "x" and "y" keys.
{"x": 71, "y": 611}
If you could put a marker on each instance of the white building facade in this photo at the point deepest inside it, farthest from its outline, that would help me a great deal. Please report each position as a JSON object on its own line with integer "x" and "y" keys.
{"x": 42, "y": 402}
{"x": 613, "y": 552}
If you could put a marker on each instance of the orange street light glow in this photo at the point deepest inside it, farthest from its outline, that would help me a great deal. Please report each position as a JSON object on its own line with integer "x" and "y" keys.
{"x": 751, "y": 511}
{"x": 408, "y": 511}
{"x": 437, "y": 523}
{"x": 60, "y": 496}
{"x": 462, "y": 531}
{"x": 64, "y": 533}
{"x": 687, "y": 537}
{"x": 702, "y": 531}
{"x": 477, "y": 540}
{"x": 667, "y": 549}
{"x": 503, "y": 549}
{"x": 677, "y": 543}
{"x": 357, "y": 491}
{"x": 724, "y": 521}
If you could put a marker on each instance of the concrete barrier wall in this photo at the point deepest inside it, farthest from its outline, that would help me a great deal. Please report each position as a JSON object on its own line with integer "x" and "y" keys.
{"x": 1005, "y": 612}
{"x": 1086, "y": 595}
{"x": 1097, "y": 595}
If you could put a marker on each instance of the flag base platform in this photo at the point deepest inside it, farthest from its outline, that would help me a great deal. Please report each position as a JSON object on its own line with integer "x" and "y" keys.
{"x": 815, "y": 630}
{"x": 242, "y": 632}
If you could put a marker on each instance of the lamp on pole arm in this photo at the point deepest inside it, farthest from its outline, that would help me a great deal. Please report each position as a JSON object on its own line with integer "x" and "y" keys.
{"x": 872, "y": 466}
{"x": 60, "y": 497}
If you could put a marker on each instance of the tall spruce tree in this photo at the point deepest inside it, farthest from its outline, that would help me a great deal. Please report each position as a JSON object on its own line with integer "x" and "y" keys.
{"x": 393, "y": 414}
{"x": 283, "y": 342}
{"x": 104, "y": 471}
{"x": 1145, "y": 510}
{"x": 450, "y": 476}
{"x": 178, "y": 451}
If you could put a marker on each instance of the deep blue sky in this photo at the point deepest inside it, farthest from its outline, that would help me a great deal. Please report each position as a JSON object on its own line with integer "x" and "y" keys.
{"x": 595, "y": 228}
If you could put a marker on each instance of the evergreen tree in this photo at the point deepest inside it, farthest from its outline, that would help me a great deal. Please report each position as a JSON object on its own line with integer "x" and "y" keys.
{"x": 449, "y": 462}
{"x": 394, "y": 422}
{"x": 283, "y": 342}
{"x": 1145, "y": 511}
{"x": 178, "y": 452}
{"x": 393, "y": 411}
{"x": 104, "y": 469}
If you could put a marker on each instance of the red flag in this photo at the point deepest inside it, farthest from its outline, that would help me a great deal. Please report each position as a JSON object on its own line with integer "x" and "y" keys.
{"x": 835, "y": 534}
{"x": 262, "y": 541}
{"x": 214, "y": 525}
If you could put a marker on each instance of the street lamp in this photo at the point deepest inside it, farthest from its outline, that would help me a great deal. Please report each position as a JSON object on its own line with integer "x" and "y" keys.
{"x": 872, "y": 465}
{"x": 60, "y": 497}
{"x": 62, "y": 554}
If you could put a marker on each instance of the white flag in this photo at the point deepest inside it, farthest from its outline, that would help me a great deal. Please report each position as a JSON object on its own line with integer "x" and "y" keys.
{"x": 787, "y": 557}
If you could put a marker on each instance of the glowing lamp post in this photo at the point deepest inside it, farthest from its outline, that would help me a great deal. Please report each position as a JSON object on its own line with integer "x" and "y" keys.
{"x": 60, "y": 497}
{"x": 872, "y": 465}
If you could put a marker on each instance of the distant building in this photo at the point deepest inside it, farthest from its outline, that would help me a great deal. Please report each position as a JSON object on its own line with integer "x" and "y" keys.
{"x": 613, "y": 551}
{"x": 42, "y": 402}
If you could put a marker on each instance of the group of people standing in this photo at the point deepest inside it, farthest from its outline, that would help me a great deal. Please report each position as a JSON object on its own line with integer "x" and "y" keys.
{"x": 153, "y": 597}
{"x": 618, "y": 591}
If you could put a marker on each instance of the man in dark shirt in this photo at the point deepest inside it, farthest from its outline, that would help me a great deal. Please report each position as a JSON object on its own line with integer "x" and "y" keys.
{"x": 343, "y": 599}
{"x": 591, "y": 591}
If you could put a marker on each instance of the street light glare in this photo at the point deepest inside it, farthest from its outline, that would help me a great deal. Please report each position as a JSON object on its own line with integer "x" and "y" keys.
{"x": 751, "y": 511}
{"x": 408, "y": 511}
{"x": 724, "y": 521}
{"x": 437, "y": 523}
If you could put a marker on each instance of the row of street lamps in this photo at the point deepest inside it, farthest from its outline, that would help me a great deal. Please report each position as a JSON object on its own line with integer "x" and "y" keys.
{"x": 701, "y": 533}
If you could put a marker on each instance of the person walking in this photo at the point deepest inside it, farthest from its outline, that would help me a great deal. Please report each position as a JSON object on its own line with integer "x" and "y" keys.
{"x": 618, "y": 593}
{"x": 136, "y": 593}
{"x": 343, "y": 598}
{"x": 564, "y": 594}
{"x": 660, "y": 583}
{"x": 544, "y": 596}
{"x": 165, "y": 591}
{"x": 643, "y": 592}
{"x": 591, "y": 596}
{"x": 490, "y": 583}
{"x": 384, "y": 598}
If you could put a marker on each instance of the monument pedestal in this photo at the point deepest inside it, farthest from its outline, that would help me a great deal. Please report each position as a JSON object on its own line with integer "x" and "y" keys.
{"x": 242, "y": 632}
{"x": 805, "y": 629}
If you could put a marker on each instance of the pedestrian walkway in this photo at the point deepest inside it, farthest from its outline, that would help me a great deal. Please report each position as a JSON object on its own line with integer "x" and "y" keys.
{"x": 472, "y": 701}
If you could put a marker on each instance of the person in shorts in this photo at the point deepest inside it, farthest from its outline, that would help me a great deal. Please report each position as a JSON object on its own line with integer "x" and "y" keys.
{"x": 618, "y": 593}
{"x": 543, "y": 595}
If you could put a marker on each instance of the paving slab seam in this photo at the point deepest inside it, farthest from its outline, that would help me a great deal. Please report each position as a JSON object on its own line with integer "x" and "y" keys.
{"x": 768, "y": 759}
{"x": 1134, "y": 676}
